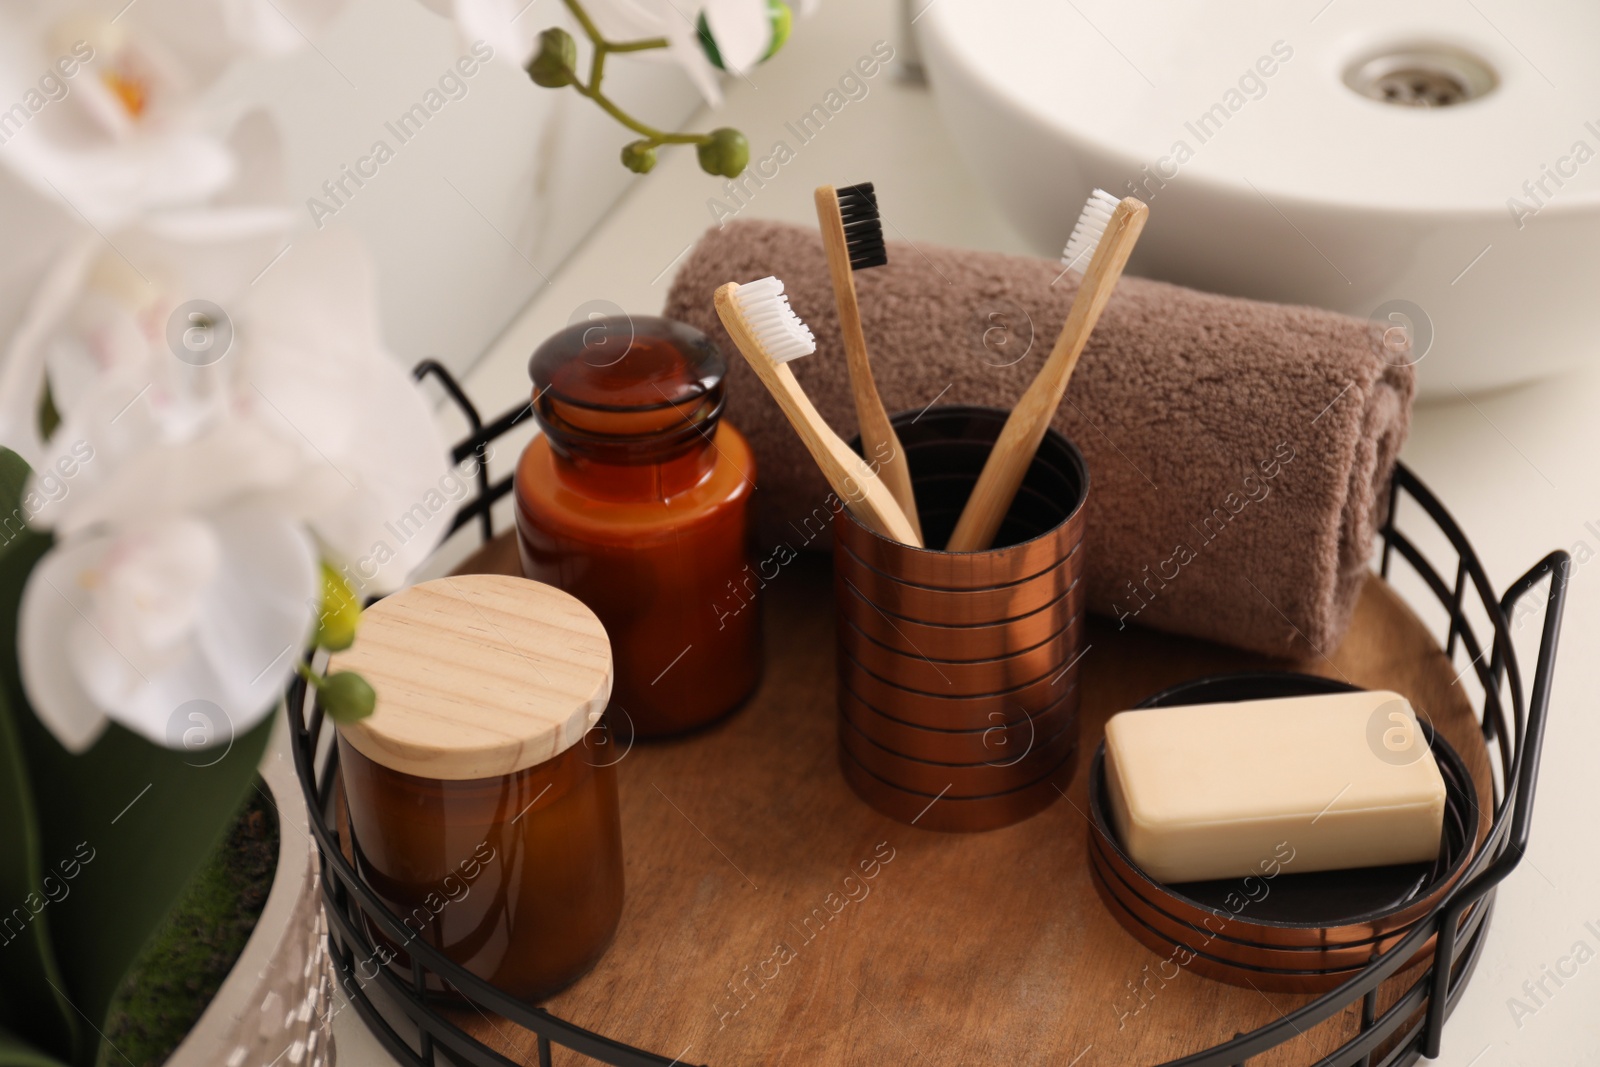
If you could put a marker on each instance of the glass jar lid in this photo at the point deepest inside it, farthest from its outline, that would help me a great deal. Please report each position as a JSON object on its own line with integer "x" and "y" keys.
{"x": 477, "y": 676}
{"x": 628, "y": 389}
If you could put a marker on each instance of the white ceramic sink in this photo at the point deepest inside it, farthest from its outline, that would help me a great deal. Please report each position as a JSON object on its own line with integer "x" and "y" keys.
{"x": 1475, "y": 224}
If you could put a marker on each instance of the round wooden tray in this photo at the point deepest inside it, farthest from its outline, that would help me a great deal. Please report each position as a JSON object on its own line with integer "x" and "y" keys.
{"x": 773, "y": 918}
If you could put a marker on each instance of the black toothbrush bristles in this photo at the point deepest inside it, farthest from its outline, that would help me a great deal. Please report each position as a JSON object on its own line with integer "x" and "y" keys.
{"x": 863, "y": 229}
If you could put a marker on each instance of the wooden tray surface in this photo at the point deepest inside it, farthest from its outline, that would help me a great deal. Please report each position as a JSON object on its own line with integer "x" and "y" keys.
{"x": 962, "y": 949}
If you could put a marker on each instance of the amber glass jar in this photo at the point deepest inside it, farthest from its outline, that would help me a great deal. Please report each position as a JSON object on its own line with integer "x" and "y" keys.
{"x": 636, "y": 499}
{"x": 479, "y": 815}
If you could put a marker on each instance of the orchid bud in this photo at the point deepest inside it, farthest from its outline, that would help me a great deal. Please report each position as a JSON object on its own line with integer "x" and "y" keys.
{"x": 553, "y": 64}
{"x": 639, "y": 156}
{"x": 339, "y": 614}
{"x": 346, "y": 697}
{"x": 725, "y": 154}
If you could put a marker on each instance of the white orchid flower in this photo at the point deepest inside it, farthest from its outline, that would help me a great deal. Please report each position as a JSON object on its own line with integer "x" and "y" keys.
{"x": 368, "y": 435}
{"x": 217, "y": 474}
{"x": 105, "y": 110}
{"x": 264, "y": 27}
{"x": 510, "y": 28}
{"x": 742, "y": 30}
{"x": 138, "y": 626}
{"x": 100, "y": 301}
{"x": 299, "y": 406}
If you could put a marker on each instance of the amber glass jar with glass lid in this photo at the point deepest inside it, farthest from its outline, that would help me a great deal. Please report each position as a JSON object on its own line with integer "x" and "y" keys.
{"x": 636, "y": 499}
{"x": 480, "y": 811}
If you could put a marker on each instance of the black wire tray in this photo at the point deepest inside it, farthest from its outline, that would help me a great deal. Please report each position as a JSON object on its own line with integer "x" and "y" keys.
{"x": 1460, "y": 920}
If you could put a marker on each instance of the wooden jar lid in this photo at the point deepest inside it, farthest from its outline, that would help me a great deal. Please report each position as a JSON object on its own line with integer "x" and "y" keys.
{"x": 477, "y": 676}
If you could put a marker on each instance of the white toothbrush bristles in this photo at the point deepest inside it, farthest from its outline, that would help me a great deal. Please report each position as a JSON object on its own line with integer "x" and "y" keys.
{"x": 1087, "y": 233}
{"x": 773, "y": 321}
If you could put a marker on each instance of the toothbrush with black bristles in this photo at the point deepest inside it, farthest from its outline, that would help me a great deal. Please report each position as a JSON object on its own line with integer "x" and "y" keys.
{"x": 852, "y": 234}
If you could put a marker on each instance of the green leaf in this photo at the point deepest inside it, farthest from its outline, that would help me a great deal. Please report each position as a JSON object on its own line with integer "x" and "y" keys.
{"x": 142, "y": 819}
{"x": 14, "y": 472}
{"x": 29, "y": 1006}
{"x": 16, "y": 1053}
{"x": 14, "y": 475}
{"x": 170, "y": 985}
{"x": 131, "y": 820}
{"x": 49, "y": 416}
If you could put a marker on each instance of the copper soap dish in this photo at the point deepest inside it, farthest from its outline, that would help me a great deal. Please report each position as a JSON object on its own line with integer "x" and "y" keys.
{"x": 1280, "y": 931}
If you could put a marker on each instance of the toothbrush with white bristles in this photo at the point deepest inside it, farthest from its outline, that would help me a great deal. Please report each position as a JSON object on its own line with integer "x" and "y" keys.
{"x": 769, "y": 334}
{"x": 1086, "y": 233}
{"x": 1099, "y": 247}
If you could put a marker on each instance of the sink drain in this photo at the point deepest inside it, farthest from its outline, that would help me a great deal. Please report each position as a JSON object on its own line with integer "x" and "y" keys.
{"x": 1421, "y": 77}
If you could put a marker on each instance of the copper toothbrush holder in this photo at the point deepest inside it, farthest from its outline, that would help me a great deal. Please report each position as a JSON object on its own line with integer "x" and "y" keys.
{"x": 958, "y": 694}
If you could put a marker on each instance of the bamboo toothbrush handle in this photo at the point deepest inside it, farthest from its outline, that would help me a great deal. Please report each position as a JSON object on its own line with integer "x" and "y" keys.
{"x": 848, "y": 474}
{"x": 1013, "y": 452}
{"x": 878, "y": 439}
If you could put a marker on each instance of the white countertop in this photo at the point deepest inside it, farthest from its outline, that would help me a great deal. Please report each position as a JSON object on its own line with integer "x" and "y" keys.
{"x": 1519, "y": 470}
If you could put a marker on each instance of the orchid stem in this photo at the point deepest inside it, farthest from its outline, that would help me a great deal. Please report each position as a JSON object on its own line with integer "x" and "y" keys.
{"x": 315, "y": 680}
{"x": 603, "y": 48}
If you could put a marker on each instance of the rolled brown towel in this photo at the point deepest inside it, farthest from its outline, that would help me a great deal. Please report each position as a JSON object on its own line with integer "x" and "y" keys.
{"x": 1239, "y": 452}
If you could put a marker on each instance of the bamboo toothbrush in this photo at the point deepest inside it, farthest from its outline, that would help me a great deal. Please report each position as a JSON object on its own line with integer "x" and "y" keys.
{"x": 1098, "y": 249}
{"x": 852, "y": 234}
{"x": 769, "y": 334}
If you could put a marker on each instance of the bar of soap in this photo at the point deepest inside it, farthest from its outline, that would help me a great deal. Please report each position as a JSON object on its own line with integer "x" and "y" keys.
{"x": 1214, "y": 791}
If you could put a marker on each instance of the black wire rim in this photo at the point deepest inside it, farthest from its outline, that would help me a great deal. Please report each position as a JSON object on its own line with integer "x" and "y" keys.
{"x": 1411, "y": 1027}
